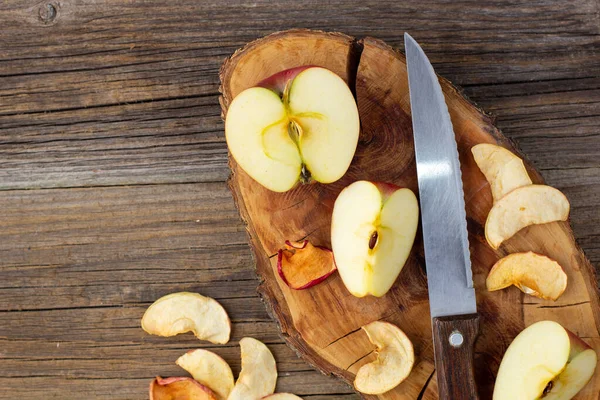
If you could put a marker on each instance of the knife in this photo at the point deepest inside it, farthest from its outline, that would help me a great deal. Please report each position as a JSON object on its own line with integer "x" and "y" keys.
{"x": 452, "y": 302}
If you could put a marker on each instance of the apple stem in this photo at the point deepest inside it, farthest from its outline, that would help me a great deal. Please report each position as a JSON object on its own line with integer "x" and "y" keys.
{"x": 305, "y": 175}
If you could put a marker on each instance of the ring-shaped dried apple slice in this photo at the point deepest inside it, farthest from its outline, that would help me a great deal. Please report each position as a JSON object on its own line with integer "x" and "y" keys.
{"x": 533, "y": 273}
{"x": 394, "y": 362}
{"x": 179, "y": 388}
{"x": 302, "y": 265}
{"x": 502, "y": 169}
{"x": 258, "y": 376}
{"x": 524, "y": 206}
{"x": 209, "y": 369}
{"x": 188, "y": 312}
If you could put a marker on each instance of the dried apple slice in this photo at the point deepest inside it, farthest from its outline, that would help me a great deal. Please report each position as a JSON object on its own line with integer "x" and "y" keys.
{"x": 524, "y": 206}
{"x": 302, "y": 265}
{"x": 503, "y": 170}
{"x": 188, "y": 312}
{"x": 209, "y": 369}
{"x": 259, "y": 373}
{"x": 282, "y": 396}
{"x": 179, "y": 388}
{"x": 533, "y": 273}
{"x": 394, "y": 362}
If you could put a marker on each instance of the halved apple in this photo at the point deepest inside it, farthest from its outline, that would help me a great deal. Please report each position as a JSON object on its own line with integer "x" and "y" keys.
{"x": 297, "y": 126}
{"x": 188, "y": 312}
{"x": 545, "y": 361}
{"x": 258, "y": 376}
{"x": 373, "y": 228}
{"x": 282, "y": 396}
{"x": 533, "y": 273}
{"x": 179, "y": 388}
{"x": 394, "y": 362}
{"x": 503, "y": 170}
{"x": 524, "y": 206}
{"x": 210, "y": 370}
{"x": 302, "y": 265}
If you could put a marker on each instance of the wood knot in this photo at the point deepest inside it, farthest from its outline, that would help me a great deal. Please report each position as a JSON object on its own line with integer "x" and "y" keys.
{"x": 48, "y": 13}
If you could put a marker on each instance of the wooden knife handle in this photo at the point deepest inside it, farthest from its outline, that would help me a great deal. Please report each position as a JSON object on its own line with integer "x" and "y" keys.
{"x": 454, "y": 339}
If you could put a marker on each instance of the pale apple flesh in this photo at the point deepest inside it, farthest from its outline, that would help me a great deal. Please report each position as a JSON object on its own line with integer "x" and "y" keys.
{"x": 533, "y": 273}
{"x": 395, "y": 359}
{"x": 298, "y": 126}
{"x": 210, "y": 370}
{"x": 545, "y": 361}
{"x": 503, "y": 170}
{"x": 372, "y": 233}
{"x": 301, "y": 265}
{"x": 188, "y": 312}
{"x": 179, "y": 388}
{"x": 258, "y": 376}
{"x": 282, "y": 396}
{"x": 524, "y": 206}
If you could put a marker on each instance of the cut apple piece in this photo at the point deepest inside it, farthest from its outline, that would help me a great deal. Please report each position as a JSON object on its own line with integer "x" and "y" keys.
{"x": 545, "y": 361}
{"x": 179, "y": 388}
{"x": 534, "y": 274}
{"x": 298, "y": 125}
{"x": 188, "y": 312}
{"x": 502, "y": 169}
{"x": 524, "y": 206}
{"x": 394, "y": 362}
{"x": 282, "y": 396}
{"x": 373, "y": 228}
{"x": 259, "y": 373}
{"x": 302, "y": 265}
{"x": 209, "y": 369}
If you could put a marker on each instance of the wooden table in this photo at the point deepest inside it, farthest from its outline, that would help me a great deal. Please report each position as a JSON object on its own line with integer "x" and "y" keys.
{"x": 113, "y": 165}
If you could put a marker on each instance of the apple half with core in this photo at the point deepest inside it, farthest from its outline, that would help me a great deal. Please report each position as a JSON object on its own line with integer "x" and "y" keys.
{"x": 545, "y": 361}
{"x": 302, "y": 265}
{"x": 299, "y": 125}
{"x": 373, "y": 228}
{"x": 533, "y": 273}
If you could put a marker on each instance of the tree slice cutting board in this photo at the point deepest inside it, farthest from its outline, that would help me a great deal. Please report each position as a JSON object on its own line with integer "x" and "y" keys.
{"x": 322, "y": 324}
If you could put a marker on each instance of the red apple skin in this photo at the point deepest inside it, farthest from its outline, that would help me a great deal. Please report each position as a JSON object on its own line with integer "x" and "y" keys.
{"x": 386, "y": 189}
{"x": 577, "y": 344}
{"x": 166, "y": 381}
{"x": 278, "y": 81}
{"x": 312, "y": 283}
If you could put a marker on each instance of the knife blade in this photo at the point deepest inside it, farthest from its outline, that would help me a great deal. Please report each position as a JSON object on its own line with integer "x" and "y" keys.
{"x": 445, "y": 238}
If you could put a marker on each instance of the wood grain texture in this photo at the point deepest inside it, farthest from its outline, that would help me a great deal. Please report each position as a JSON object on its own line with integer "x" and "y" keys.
{"x": 121, "y": 98}
{"x": 323, "y": 323}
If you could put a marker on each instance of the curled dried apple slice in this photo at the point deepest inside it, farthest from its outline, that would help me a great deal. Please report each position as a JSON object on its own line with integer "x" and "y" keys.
{"x": 282, "y": 396}
{"x": 502, "y": 169}
{"x": 179, "y": 388}
{"x": 209, "y": 369}
{"x": 188, "y": 312}
{"x": 394, "y": 362}
{"x": 534, "y": 274}
{"x": 302, "y": 265}
{"x": 259, "y": 373}
{"x": 524, "y": 206}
